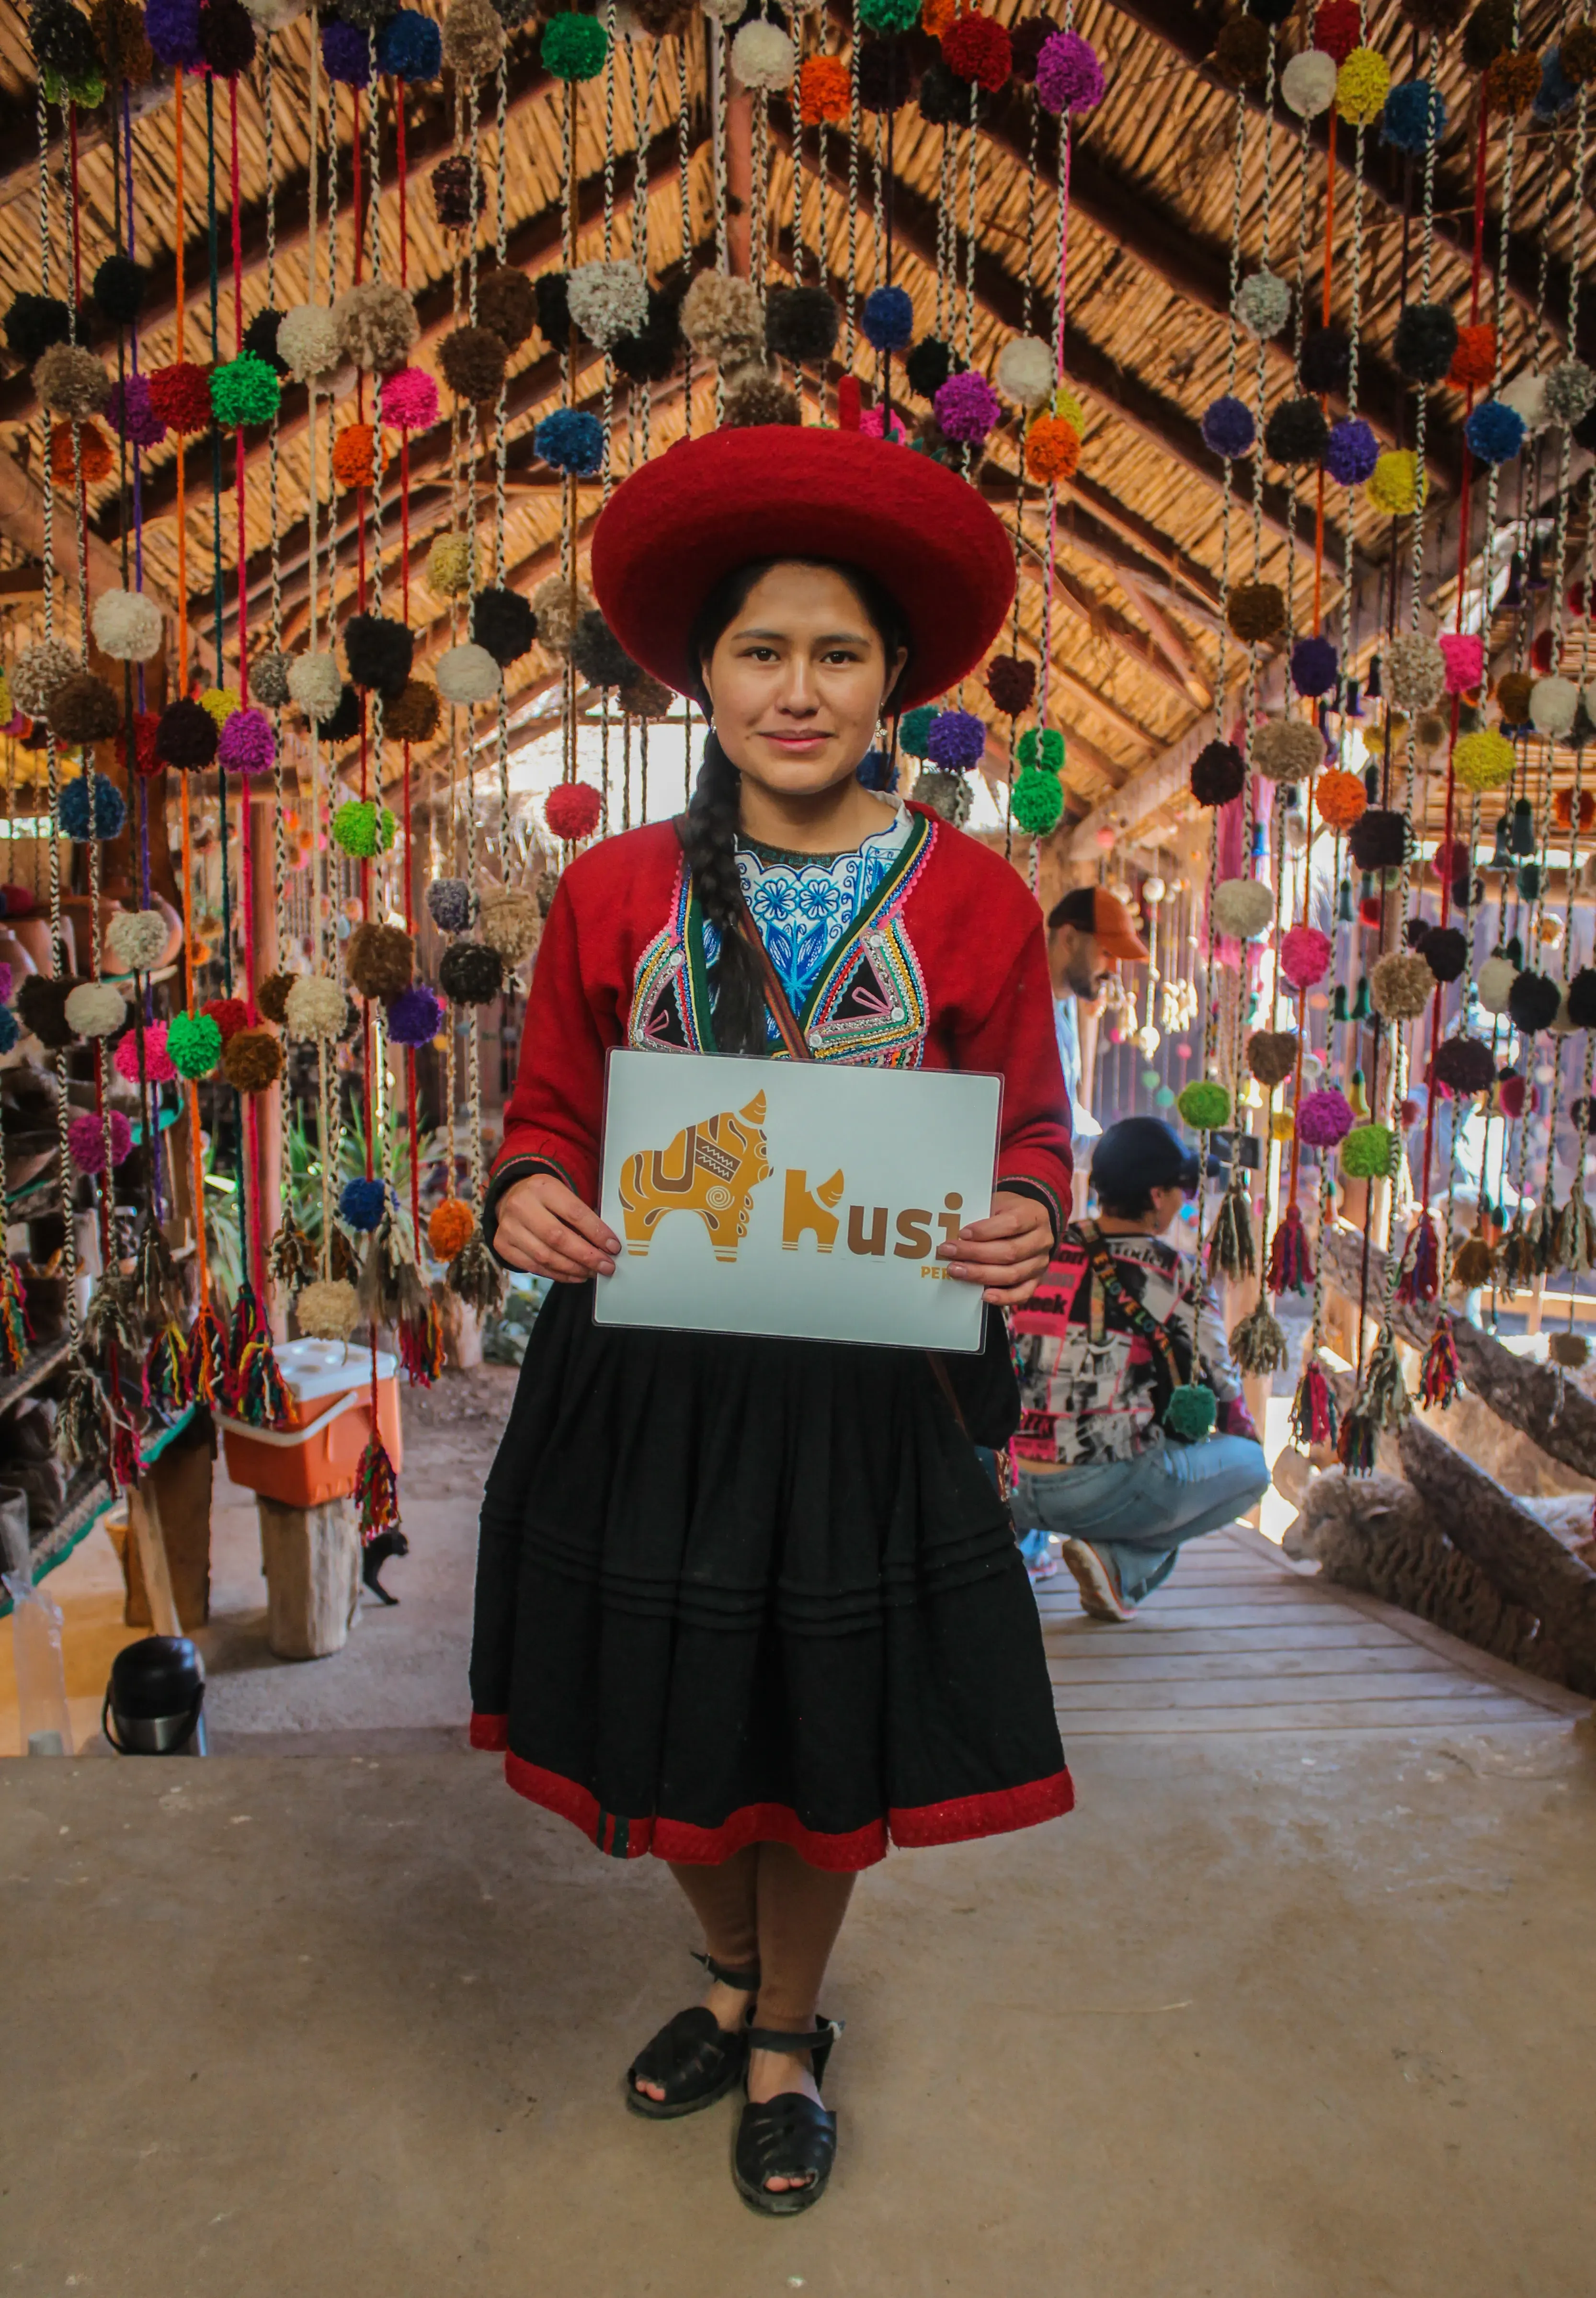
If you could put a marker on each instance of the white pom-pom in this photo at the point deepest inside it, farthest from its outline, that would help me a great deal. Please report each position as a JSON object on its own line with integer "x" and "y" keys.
{"x": 607, "y": 301}
{"x": 1308, "y": 83}
{"x": 308, "y": 342}
{"x": 327, "y": 1310}
{"x": 1553, "y": 703}
{"x": 127, "y": 625}
{"x": 38, "y": 670}
{"x": 1242, "y": 907}
{"x": 1526, "y": 396}
{"x": 315, "y": 683}
{"x": 1025, "y": 374}
{"x": 467, "y": 674}
{"x": 135, "y": 940}
{"x": 1263, "y": 305}
{"x": 314, "y": 1007}
{"x": 96, "y": 1010}
{"x": 510, "y": 922}
{"x": 1415, "y": 671}
{"x": 275, "y": 15}
{"x": 1288, "y": 750}
{"x": 1494, "y": 982}
{"x": 762, "y": 56}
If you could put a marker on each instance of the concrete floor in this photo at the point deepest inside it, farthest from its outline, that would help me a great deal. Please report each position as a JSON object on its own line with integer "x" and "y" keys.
{"x": 1283, "y": 2017}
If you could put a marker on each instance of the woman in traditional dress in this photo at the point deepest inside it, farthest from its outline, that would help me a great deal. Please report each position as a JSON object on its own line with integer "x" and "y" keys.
{"x": 754, "y": 1605}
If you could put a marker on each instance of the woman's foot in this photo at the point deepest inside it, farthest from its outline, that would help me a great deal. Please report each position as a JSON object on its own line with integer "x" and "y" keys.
{"x": 731, "y": 2007}
{"x": 770, "y": 2074}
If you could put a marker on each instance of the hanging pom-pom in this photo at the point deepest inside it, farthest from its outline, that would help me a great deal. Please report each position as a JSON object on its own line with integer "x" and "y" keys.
{"x": 1258, "y": 1345}
{"x": 1420, "y": 1278}
{"x": 1382, "y": 1406}
{"x": 1232, "y": 1251}
{"x": 1313, "y": 1415}
{"x": 1441, "y": 1379}
{"x": 1191, "y": 1412}
{"x": 327, "y": 1308}
{"x": 1290, "y": 1263}
{"x": 376, "y": 1488}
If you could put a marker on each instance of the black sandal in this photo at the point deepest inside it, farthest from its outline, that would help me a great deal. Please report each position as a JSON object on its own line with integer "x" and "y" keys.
{"x": 788, "y": 2136}
{"x": 692, "y": 2058}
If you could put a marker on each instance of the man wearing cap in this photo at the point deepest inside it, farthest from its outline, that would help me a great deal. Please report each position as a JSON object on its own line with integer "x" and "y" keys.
{"x": 1121, "y": 1321}
{"x": 1089, "y": 932}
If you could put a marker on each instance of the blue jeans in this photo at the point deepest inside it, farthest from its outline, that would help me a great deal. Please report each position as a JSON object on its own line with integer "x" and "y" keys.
{"x": 1137, "y": 1513}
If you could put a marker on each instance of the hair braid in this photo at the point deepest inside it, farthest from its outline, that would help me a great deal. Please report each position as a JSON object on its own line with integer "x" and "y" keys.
{"x": 710, "y": 846}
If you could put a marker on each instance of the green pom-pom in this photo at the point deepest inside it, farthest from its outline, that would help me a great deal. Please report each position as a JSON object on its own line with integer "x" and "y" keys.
{"x": 1042, "y": 746}
{"x": 88, "y": 94}
{"x": 362, "y": 828}
{"x": 1036, "y": 801}
{"x": 1366, "y": 1153}
{"x": 1205, "y": 1104}
{"x": 194, "y": 1041}
{"x": 245, "y": 390}
{"x": 913, "y": 730}
{"x": 1191, "y": 1412}
{"x": 574, "y": 47}
{"x": 889, "y": 15}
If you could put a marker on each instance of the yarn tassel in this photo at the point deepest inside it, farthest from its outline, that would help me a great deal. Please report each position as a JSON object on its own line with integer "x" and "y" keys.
{"x": 1420, "y": 1279}
{"x": 1575, "y": 1247}
{"x": 421, "y": 1346}
{"x": 1291, "y": 1263}
{"x": 476, "y": 1277}
{"x": 207, "y": 1358}
{"x": 1382, "y": 1403}
{"x": 14, "y": 1323}
{"x": 1232, "y": 1251}
{"x": 113, "y": 1320}
{"x": 291, "y": 1257}
{"x": 1542, "y": 1234}
{"x": 376, "y": 1490}
{"x": 166, "y": 1372}
{"x": 1441, "y": 1379}
{"x": 1515, "y": 1257}
{"x": 82, "y": 1426}
{"x": 125, "y": 1463}
{"x": 391, "y": 1291}
{"x": 154, "y": 1271}
{"x": 1472, "y": 1264}
{"x": 1313, "y": 1415}
{"x": 246, "y": 1320}
{"x": 259, "y": 1393}
{"x": 1258, "y": 1345}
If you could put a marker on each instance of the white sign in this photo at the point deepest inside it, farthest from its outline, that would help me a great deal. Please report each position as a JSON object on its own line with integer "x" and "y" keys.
{"x": 802, "y": 1199}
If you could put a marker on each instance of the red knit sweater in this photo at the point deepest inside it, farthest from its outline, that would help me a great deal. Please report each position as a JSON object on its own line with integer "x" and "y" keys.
{"x": 950, "y": 971}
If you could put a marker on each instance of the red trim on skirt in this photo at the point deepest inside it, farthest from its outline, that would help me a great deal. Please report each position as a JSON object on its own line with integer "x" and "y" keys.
{"x": 964, "y": 1820}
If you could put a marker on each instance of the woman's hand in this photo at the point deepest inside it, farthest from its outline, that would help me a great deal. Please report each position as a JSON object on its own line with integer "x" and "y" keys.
{"x": 1007, "y": 1252}
{"x": 545, "y": 1227}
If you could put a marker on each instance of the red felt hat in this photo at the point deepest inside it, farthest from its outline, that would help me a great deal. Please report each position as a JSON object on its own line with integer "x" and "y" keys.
{"x": 673, "y": 530}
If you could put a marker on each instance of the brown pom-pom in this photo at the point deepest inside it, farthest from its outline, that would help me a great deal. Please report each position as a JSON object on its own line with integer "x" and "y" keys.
{"x": 1570, "y": 1349}
{"x": 459, "y": 191}
{"x": 506, "y": 302}
{"x": 251, "y": 1060}
{"x": 756, "y": 399}
{"x": 1464, "y": 1065}
{"x": 662, "y": 19}
{"x": 1512, "y": 695}
{"x": 415, "y": 712}
{"x": 645, "y": 697}
{"x": 473, "y": 361}
{"x": 1512, "y": 82}
{"x": 124, "y": 46}
{"x": 1472, "y": 1264}
{"x": 1379, "y": 839}
{"x": 1218, "y": 774}
{"x": 473, "y": 38}
{"x": 84, "y": 709}
{"x": 1576, "y": 54}
{"x": 380, "y": 960}
{"x": 1272, "y": 1055}
{"x": 1489, "y": 30}
{"x": 1429, "y": 729}
{"x": 1401, "y": 985}
{"x": 71, "y": 382}
{"x": 41, "y": 1005}
{"x": 1010, "y": 684}
{"x": 1256, "y": 612}
{"x": 1241, "y": 53}
{"x": 272, "y": 996}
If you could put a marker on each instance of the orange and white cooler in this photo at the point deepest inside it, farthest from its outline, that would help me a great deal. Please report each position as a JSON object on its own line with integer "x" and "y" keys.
{"x": 315, "y": 1455}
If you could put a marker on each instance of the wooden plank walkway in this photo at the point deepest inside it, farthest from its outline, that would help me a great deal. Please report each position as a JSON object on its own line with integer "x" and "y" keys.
{"x": 1238, "y": 1640}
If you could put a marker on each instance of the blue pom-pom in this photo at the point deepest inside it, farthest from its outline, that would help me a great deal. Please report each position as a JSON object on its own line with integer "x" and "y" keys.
{"x": 1227, "y": 428}
{"x": 111, "y": 810}
{"x": 410, "y": 46}
{"x": 1351, "y": 450}
{"x": 875, "y": 769}
{"x": 1415, "y": 115}
{"x": 1494, "y": 432}
{"x": 888, "y": 319}
{"x": 346, "y": 52}
{"x": 914, "y": 729}
{"x": 956, "y": 739}
{"x": 361, "y": 1203}
{"x": 10, "y": 1030}
{"x": 1313, "y": 666}
{"x": 173, "y": 30}
{"x": 1556, "y": 92}
{"x": 570, "y": 441}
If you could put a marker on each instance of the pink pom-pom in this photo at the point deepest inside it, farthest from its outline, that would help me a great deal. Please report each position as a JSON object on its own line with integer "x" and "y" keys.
{"x": 1305, "y": 956}
{"x": 872, "y": 424}
{"x": 247, "y": 745}
{"x": 967, "y": 406}
{"x": 1465, "y": 656}
{"x": 1069, "y": 76}
{"x": 408, "y": 399}
{"x": 572, "y": 809}
{"x": 158, "y": 1066}
{"x": 1324, "y": 1117}
{"x": 85, "y": 1140}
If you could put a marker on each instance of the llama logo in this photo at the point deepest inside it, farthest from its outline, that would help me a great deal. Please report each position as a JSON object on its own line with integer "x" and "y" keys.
{"x": 711, "y": 1169}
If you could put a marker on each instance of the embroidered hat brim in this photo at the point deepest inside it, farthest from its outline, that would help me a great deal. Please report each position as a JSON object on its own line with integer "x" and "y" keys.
{"x": 686, "y": 519}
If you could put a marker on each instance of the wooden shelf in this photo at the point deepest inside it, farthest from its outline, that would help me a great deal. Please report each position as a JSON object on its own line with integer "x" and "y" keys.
{"x": 38, "y": 1369}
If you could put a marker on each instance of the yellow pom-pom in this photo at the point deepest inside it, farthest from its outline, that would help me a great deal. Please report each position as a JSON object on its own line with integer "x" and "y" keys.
{"x": 221, "y": 701}
{"x": 1282, "y": 1125}
{"x": 1393, "y": 486}
{"x": 7, "y": 705}
{"x": 1484, "y": 761}
{"x": 1069, "y": 408}
{"x": 448, "y": 566}
{"x": 1362, "y": 87}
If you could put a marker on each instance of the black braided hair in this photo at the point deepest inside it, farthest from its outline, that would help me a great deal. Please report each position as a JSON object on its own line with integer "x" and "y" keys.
{"x": 710, "y": 844}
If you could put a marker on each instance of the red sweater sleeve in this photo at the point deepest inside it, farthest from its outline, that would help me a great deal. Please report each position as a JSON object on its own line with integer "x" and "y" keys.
{"x": 1017, "y": 1038}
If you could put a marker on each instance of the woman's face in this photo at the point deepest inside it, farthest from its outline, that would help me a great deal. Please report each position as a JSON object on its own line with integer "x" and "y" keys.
{"x": 797, "y": 679}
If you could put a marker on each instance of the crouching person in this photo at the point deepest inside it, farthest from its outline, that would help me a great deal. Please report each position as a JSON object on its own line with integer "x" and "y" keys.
{"x": 1134, "y": 1437}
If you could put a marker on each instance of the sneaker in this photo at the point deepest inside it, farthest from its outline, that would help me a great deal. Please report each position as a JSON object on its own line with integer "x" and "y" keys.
{"x": 1095, "y": 1576}
{"x": 1047, "y": 1569}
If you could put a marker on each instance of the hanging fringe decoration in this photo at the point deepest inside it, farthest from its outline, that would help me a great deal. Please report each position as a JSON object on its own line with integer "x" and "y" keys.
{"x": 1420, "y": 1279}
{"x": 245, "y": 1324}
{"x": 1575, "y": 1245}
{"x": 1441, "y": 1379}
{"x": 291, "y": 1257}
{"x": 1258, "y": 1345}
{"x": 476, "y": 1278}
{"x": 126, "y": 1467}
{"x": 154, "y": 1271}
{"x": 207, "y": 1358}
{"x": 1232, "y": 1251}
{"x": 421, "y": 1345}
{"x": 165, "y": 1387}
{"x": 391, "y": 1291}
{"x": 1543, "y": 1233}
{"x": 1515, "y": 1258}
{"x": 376, "y": 1490}
{"x": 83, "y": 1425}
{"x": 1291, "y": 1262}
{"x": 113, "y": 1319}
{"x": 1383, "y": 1404}
{"x": 1313, "y": 1415}
{"x": 1472, "y": 1264}
{"x": 14, "y": 1323}
{"x": 260, "y": 1395}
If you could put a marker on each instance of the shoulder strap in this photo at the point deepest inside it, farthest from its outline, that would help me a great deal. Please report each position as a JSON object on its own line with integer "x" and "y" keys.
{"x": 1141, "y": 1319}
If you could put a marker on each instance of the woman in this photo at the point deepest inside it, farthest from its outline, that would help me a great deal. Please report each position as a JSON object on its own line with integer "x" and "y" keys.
{"x": 752, "y": 1605}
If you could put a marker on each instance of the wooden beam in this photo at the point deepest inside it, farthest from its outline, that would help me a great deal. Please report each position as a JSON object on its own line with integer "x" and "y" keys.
{"x": 18, "y": 136}
{"x": 23, "y": 522}
{"x": 1106, "y": 622}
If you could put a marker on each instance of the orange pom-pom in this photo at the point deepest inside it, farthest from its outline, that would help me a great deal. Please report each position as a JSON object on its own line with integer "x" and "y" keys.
{"x": 1562, "y": 809}
{"x": 936, "y": 15}
{"x": 1473, "y": 362}
{"x": 824, "y": 91}
{"x": 94, "y": 453}
{"x": 1341, "y": 798}
{"x": 451, "y": 1229}
{"x": 355, "y": 455}
{"x": 1052, "y": 447}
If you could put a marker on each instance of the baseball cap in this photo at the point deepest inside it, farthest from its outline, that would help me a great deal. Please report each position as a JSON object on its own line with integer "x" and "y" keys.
{"x": 1140, "y": 1153}
{"x": 1094, "y": 910}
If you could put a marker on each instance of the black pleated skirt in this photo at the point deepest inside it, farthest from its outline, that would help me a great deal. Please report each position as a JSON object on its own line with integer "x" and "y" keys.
{"x": 735, "y": 1590}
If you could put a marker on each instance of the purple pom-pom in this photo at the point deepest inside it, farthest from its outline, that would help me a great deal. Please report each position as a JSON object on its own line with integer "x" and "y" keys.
{"x": 173, "y": 29}
{"x": 1227, "y": 428}
{"x": 85, "y": 1140}
{"x": 956, "y": 739}
{"x": 1069, "y": 76}
{"x": 1324, "y": 1117}
{"x": 132, "y": 413}
{"x": 414, "y": 1016}
{"x": 1351, "y": 452}
{"x": 1313, "y": 666}
{"x": 346, "y": 52}
{"x": 247, "y": 745}
{"x": 967, "y": 406}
